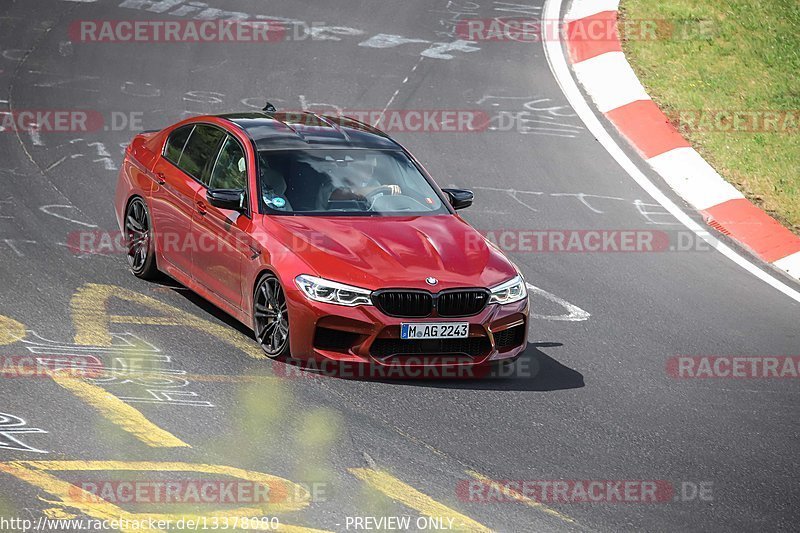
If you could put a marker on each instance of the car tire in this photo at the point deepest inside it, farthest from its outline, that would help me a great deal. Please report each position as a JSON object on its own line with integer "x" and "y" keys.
{"x": 139, "y": 240}
{"x": 271, "y": 317}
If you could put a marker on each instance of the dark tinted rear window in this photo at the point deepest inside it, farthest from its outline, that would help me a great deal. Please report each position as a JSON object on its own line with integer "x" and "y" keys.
{"x": 202, "y": 147}
{"x": 176, "y": 142}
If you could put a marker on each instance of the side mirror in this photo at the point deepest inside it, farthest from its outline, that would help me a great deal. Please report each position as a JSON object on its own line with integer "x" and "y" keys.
{"x": 232, "y": 199}
{"x": 460, "y": 198}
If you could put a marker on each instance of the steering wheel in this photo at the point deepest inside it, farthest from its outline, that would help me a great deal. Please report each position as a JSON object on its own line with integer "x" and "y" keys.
{"x": 383, "y": 190}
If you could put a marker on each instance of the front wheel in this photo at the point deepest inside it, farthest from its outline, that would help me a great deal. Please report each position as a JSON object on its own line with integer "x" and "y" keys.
{"x": 139, "y": 240}
{"x": 271, "y": 317}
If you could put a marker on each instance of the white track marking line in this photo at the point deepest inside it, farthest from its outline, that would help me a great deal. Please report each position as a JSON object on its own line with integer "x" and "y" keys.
{"x": 574, "y": 313}
{"x": 48, "y": 210}
{"x": 558, "y": 65}
{"x": 397, "y": 92}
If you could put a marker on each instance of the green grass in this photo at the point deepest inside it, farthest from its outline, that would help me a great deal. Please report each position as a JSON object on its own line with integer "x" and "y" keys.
{"x": 748, "y": 61}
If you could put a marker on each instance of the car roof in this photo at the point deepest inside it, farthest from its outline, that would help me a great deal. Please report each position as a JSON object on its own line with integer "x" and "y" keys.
{"x": 288, "y": 130}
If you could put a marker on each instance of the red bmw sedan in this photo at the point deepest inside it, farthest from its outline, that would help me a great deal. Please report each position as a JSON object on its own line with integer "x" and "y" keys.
{"x": 323, "y": 235}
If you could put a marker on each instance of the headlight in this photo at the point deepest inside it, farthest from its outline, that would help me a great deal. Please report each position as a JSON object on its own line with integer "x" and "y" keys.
{"x": 509, "y": 292}
{"x": 323, "y": 290}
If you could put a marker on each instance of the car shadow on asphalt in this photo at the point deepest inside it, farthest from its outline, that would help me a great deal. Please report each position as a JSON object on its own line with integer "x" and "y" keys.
{"x": 534, "y": 371}
{"x": 206, "y": 306}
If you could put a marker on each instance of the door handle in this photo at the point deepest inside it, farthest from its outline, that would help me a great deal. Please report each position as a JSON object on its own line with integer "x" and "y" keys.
{"x": 160, "y": 178}
{"x": 201, "y": 207}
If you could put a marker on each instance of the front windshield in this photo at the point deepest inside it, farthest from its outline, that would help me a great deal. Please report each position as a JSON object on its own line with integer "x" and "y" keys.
{"x": 345, "y": 181}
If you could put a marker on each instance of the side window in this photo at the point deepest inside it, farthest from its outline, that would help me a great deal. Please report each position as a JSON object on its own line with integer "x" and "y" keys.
{"x": 230, "y": 169}
{"x": 176, "y": 142}
{"x": 201, "y": 147}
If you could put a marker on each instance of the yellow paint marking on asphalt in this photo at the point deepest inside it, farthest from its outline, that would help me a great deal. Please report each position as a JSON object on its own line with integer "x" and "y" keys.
{"x": 411, "y": 497}
{"x": 211, "y": 378}
{"x": 293, "y": 497}
{"x": 226, "y": 378}
{"x": 89, "y": 307}
{"x": 69, "y": 494}
{"x": 289, "y": 497}
{"x": 202, "y": 378}
{"x": 89, "y": 314}
{"x": 118, "y": 412}
{"x": 11, "y": 331}
{"x": 58, "y": 514}
{"x": 143, "y": 320}
{"x": 516, "y": 495}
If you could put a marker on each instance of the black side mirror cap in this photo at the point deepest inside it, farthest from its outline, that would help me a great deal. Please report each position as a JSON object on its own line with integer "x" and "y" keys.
{"x": 232, "y": 199}
{"x": 460, "y": 198}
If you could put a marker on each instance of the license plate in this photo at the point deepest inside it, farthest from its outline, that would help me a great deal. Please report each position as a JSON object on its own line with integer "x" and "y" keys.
{"x": 435, "y": 330}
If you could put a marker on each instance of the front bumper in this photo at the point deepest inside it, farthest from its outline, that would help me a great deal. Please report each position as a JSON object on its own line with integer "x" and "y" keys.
{"x": 324, "y": 332}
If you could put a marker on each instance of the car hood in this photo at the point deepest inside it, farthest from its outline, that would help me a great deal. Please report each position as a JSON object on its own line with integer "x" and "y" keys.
{"x": 386, "y": 252}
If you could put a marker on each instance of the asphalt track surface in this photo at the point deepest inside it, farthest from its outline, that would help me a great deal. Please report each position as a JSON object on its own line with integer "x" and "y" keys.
{"x": 590, "y": 400}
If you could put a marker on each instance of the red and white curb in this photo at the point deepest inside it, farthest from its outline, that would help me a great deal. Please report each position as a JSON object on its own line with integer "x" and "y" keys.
{"x": 608, "y": 79}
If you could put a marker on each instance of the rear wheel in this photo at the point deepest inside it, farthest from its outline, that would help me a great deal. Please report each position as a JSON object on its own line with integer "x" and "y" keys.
{"x": 270, "y": 317}
{"x": 139, "y": 240}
